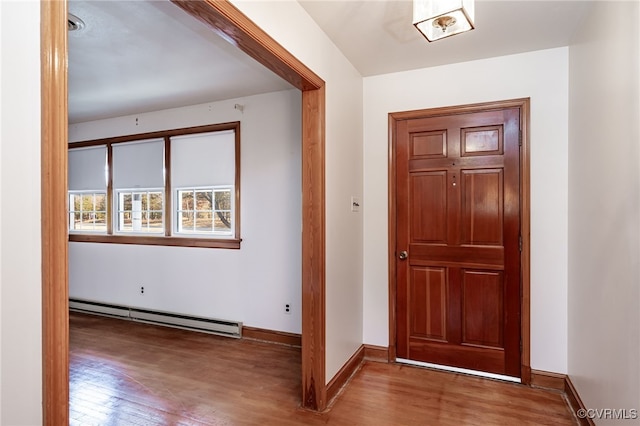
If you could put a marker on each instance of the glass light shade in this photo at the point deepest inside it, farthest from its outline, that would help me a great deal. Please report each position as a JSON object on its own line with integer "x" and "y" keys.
{"x": 437, "y": 19}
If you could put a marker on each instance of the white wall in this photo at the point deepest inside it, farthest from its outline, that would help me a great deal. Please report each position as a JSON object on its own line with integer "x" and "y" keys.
{"x": 604, "y": 209}
{"x": 20, "y": 271}
{"x": 252, "y": 284}
{"x": 289, "y": 24}
{"x": 542, "y": 76}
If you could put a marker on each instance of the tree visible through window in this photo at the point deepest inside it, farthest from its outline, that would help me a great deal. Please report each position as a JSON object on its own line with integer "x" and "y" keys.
{"x": 205, "y": 210}
{"x": 88, "y": 211}
{"x": 176, "y": 187}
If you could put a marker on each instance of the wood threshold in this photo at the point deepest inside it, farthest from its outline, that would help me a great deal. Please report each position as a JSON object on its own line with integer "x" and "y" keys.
{"x": 228, "y": 21}
{"x": 345, "y": 373}
{"x": 525, "y": 217}
{"x": 271, "y": 336}
{"x": 575, "y": 403}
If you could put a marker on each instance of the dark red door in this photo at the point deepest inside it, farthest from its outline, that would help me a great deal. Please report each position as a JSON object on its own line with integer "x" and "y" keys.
{"x": 458, "y": 220}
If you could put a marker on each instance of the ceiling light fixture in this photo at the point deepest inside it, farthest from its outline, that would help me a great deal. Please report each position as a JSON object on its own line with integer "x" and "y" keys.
{"x": 74, "y": 23}
{"x": 436, "y": 19}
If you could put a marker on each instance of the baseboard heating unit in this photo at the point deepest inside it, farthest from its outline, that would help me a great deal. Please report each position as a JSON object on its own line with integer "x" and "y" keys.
{"x": 186, "y": 322}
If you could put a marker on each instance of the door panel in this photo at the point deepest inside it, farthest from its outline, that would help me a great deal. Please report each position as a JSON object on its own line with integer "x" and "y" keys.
{"x": 429, "y": 288}
{"x": 482, "y": 141}
{"x": 482, "y": 200}
{"x": 429, "y": 195}
{"x": 458, "y": 217}
{"x": 429, "y": 145}
{"x": 482, "y": 308}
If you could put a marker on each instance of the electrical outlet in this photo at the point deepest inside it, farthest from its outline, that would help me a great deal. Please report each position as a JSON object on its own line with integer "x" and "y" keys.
{"x": 141, "y": 290}
{"x": 287, "y": 309}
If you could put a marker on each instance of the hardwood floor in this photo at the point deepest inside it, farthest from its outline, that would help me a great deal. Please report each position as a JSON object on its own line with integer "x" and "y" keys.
{"x": 126, "y": 373}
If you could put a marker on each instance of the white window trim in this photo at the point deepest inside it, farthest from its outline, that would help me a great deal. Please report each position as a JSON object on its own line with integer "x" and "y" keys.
{"x": 177, "y": 210}
{"x": 71, "y": 218}
{"x": 117, "y": 212}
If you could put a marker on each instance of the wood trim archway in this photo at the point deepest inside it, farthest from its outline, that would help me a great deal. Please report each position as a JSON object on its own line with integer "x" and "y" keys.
{"x": 525, "y": 218}
{"x": 228, "y": 21}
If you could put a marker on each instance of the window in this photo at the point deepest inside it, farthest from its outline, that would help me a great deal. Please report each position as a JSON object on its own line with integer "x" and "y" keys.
{"x": 140, "y": 211}
{"x": 177, "y": 187}
{"x": 138, "y": 184}
{"x": 88, "y": 211}
{"x": 88, "y": 189}
{"x": 205, "y": 211}
{"x": 203, "y": 170}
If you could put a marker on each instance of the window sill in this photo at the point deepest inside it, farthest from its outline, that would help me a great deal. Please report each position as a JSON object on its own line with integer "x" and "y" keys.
{"x": 157, "y": 241}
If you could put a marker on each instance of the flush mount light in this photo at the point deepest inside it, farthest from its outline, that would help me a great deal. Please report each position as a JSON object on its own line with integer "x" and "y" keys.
{"x": 74, "y": 23}
{"x": 436, "y": 19}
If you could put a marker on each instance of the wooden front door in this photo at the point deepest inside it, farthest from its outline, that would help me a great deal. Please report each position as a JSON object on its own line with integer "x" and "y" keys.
{"x": 457, "y": 251}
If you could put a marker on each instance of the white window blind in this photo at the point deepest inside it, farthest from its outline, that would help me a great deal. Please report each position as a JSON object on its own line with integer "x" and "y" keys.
{"x": 138, "y": 164}
{"x": 204, "y": 159}
{"x": 87, "y": 168}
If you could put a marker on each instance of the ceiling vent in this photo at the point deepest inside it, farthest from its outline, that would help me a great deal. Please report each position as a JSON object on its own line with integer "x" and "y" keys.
{"x": 74, "y": 23}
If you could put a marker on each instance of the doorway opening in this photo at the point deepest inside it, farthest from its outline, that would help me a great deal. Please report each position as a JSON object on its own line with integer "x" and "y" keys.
{"x": 224, "y": 18}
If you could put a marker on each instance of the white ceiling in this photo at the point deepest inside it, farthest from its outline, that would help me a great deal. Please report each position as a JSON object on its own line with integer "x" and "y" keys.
{"x": 140, "y": 56}
{"x": 378, "y": 36}
{"x": 146, "y": 55}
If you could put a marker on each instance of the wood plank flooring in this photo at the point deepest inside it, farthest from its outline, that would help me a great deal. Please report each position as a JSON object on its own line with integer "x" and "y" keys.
{"x": 126, "y": 373}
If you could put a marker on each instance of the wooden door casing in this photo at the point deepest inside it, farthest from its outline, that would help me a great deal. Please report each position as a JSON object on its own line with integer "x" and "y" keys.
{"x": 457, "y": 183}
{"x": 228, "y": 20}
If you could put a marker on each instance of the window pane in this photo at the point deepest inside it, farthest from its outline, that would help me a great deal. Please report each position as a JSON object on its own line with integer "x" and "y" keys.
{"x": 145, "y": 201}
{"x": 87, "y": 203}
{"x": 222, "y": 221}
{"x": 101, "y": 202}
{"x": 186, "y": 220}
{"x": 125, "y": 222}
{"x": 126, "y": 202}
{"x": 76, "y": 218}
{"x": 223, "y": 200}
{"x": 155, "y": 201}
{"x": 77, "y": 200}
{"x": 186, "y": 198}
{"x": 155, "y": 221}
{"x": 87, "y": 221}
{"x": 144, "y": 220}
{"x": 203, "y": 222}
{"x": 101, "y": 220}
{"x": 203, "y": 199}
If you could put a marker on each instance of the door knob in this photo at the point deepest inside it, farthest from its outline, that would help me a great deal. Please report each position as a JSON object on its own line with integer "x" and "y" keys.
{"x": 403, "y": 255}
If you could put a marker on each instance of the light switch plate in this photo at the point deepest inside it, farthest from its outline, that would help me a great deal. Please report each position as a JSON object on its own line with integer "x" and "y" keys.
{"x": 355, "y": 204}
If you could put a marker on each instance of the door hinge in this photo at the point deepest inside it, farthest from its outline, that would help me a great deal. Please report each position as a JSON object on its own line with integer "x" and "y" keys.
{"x": 520, "y": 138}
{"x": 520, "y": 242}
